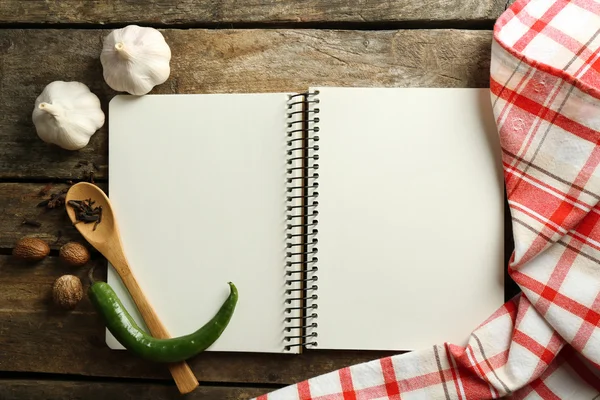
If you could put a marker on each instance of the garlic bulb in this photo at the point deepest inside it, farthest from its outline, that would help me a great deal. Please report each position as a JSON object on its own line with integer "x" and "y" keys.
{"x": 135, "y": 59}
{"x": 67, "y": 114}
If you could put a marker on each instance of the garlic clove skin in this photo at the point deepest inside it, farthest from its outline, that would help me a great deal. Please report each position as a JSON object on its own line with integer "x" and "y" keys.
{"x": 67, "y": 114}
{"x": 135, "y": 59}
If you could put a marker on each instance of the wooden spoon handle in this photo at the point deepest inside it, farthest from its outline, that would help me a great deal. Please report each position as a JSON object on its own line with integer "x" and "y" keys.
{"x": 182, "y": 374}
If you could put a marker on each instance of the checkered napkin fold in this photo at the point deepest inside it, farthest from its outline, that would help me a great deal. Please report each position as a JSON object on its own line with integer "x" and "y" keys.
{"x": 544, "y": 343}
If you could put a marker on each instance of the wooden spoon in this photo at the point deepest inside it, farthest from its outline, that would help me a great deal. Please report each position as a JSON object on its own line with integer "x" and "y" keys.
{"x": 107, "y": 240}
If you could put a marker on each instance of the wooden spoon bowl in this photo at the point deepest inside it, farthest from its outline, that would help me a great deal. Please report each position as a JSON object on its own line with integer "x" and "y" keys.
{"x": 104, "y": 231}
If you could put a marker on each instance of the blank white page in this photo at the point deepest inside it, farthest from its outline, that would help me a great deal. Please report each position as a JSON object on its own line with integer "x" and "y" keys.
{"x": 410, "y": 217}
{"x": 198, "y": 186}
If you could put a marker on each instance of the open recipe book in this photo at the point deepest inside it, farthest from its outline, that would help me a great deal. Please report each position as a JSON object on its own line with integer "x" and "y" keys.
{"x": 348, "y": 218}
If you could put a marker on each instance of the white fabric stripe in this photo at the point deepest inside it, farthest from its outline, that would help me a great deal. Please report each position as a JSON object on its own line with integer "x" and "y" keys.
{"x": 586, "y": 239}
{"x": 526, "y": 146}
{"x": 537, "y": 215}
{"x": 588, "y": 65}
{"x": 509, "y": 106}
{"x": 561, "y": 196}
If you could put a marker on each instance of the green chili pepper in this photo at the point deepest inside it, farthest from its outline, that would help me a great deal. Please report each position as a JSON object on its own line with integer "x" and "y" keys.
{"x": 128, "y": 333}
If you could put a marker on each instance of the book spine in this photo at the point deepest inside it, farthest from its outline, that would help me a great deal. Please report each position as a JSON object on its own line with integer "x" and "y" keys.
{"x": 302, "y": 221}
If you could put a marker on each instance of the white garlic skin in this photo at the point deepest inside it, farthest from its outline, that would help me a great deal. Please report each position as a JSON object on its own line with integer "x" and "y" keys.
{"x": 67, "y": 114}
{"x": 135, "y": 59}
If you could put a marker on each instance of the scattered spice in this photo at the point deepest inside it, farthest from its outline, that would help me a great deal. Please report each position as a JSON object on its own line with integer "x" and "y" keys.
{"x": 88, "y": 168}
{"x": 31, "y": 249}
{"x": 56, "y": 200}
{"x": 44, "y": 191}
{"x": 31, "y": 222}
{"x": 86, "y": 212}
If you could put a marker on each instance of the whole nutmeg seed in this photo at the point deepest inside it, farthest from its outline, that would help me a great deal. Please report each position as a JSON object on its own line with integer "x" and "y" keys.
{"x": 31, "y": 249}
{"x": 74, "y": 254}
{"x": 67, "y": 291}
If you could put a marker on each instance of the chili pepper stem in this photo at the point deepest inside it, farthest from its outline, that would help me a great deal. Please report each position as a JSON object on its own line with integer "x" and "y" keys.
{"x": 91, "y": 275}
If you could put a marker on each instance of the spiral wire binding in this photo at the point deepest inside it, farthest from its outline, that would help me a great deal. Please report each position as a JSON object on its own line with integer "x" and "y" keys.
{"x": 302, "y": 243}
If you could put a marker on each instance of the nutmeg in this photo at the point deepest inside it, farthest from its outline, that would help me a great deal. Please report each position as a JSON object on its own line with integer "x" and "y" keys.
{"x": 67, "y": 291}
{"x": 31, "y": 249}
{"x": 74, "y": 254}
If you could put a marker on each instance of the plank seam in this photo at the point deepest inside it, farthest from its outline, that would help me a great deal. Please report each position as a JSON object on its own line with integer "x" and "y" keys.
{"x": 483, "y": 24}
{"x": 19, "y": 375}
{"x": 55, "y": 180}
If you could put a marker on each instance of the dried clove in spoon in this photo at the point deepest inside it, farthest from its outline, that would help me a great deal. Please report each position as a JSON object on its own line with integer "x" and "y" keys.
{"x": 86, "y": 212}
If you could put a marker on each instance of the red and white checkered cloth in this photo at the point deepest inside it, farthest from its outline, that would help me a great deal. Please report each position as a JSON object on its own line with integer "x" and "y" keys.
{"x": 544, "y": 343}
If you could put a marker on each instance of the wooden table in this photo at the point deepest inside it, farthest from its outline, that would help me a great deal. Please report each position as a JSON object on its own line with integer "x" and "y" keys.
{"x": 226, "y": 46}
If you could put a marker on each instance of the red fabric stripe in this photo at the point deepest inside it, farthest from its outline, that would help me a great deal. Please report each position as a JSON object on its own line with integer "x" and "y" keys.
{"x": 557, "y": 35}
{"x": 347, "y": 385}
{"x": 588, "y": 224}
{"x": 591, "y": 6}
{"x": 555, "y": 344}
{"x": 559, "y": 274}
{"x": 539, "y": 25}
{"x": 546, "y": 354}
{"x": 333, "y": 396}
{"x": 546, "y": 113}
{"x": 544, "y": 391}
{"x": 478, "y": 366}
{"x": 516, "y": 8}
{"x": 559, "y": 299}
{"x": 263, "y": 397}
{"x": 588, "y": 62}
{"x": 473, "y": 386}
{"x": 536, "y": 199}
{"x": 421, "y": 381}
{"x": 455, "y": 374}
{"x": 561, "y": 213}
{"x": 524, "y": 306}
{"x": 586, "y": 329}
{"x": 304, "y": 391}
{"x": 509, "y": 169}
{"x": 592, "y": 75}
{"x": 389, "y": 377}
{"x": 525, "y": 391}
{"x": 516, "y": 206}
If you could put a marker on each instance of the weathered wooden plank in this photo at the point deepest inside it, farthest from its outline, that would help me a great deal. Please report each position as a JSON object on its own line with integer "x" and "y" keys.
{"x": 249, "y": 11}
{"x": 68, "y": 390}
{"x": 37, "y": 337}
{"x": 18, "y": 201}
{"x": 211, "y": 61}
